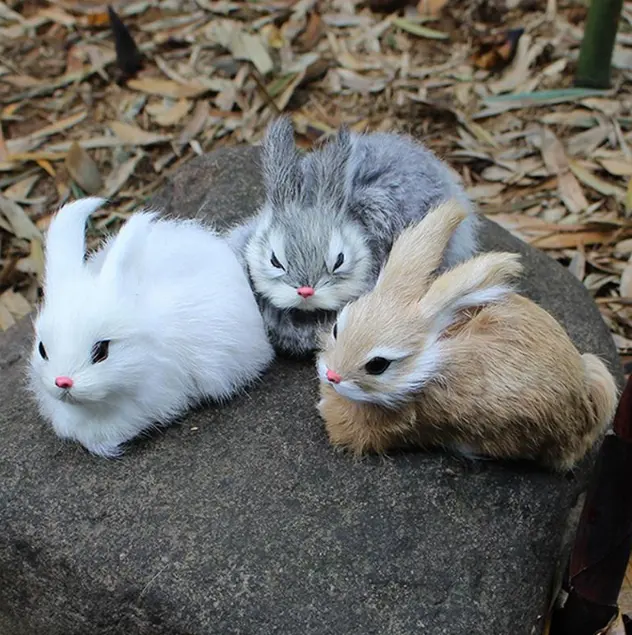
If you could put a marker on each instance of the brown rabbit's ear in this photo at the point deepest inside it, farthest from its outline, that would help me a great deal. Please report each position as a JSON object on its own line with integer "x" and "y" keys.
{"x": 484, "y": 279}
{"x": 419, "y": 250}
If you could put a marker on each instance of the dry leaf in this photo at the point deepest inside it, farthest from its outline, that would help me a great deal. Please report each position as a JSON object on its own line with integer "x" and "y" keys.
{"x": 6, "y": 319}
{"x": 625, "y": 286}
{"x": 166, "y": 88}
{"x": 134, "y": 135}
{"x": 421, "y": 31}
{"x": 120, "y": 175}
{"x": 577, "y": 265}
{"x": 597, "y": 184}
{"x": 16, "y": 303}
{"x": 83, "y": 169}
{"x": 173, "y": 115}
{"x": 28, "y": 142}
{"x": 617, "y": 167}
{"x": 431, "y": 7}
{"x": 196, "y": 123}
{"x": 21, "y": 224}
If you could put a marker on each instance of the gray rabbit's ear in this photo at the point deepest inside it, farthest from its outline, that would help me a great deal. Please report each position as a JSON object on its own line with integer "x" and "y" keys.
{"x": 332, "y": 171}
{"x": 281, "y": 163}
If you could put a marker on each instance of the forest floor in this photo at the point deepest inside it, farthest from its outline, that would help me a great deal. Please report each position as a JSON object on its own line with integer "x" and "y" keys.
{"x": 486, "y": 84}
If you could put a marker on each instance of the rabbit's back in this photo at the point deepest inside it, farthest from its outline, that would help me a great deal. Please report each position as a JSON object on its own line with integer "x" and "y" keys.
{"x": 200, "y": 307}
{"x": 515, "y": 385}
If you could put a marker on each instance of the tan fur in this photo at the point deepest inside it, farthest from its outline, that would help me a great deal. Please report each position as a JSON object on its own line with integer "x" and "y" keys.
{"x": 509, "y": 383}
{"x": 409, "y": 269}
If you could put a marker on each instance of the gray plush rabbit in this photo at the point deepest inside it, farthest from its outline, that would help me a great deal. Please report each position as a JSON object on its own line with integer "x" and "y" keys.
{"x": 328, "y": 223}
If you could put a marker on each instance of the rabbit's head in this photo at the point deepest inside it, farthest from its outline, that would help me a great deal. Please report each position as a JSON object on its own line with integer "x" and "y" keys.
{"x": 89, "y": 337}
{"x": 387, "y": 345}
{"x": 307, "y": 252}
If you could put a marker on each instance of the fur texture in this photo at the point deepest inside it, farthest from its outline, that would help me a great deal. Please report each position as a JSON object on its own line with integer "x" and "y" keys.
{"x": 176, "y": 308}
{"x": 461, "y": 361}
{"x": 329, "y": 221}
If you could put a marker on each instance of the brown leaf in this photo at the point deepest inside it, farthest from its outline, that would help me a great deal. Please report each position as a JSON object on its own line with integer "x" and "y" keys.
{"x": 21, "y": 224}
{"x": 16, "y": 303}
{"x": 617, "y": 167}
{"x": 166, "y": 88}
{"x": 196, "y": 123}
{"x": 120, "y": 175}
{"x": 557, "y": 162}
{"x": 431, "y": 7}
{"x": 314, "y": 30}
{"x": 625, "y": 287}
{"x": 173, "y": 115}
{"x": 83, "y": 169}
{"x": 497, "y": 51}
{"x": 134, "y": 135}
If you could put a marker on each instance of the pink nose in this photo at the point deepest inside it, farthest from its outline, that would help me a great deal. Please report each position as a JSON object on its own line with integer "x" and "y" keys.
{"x": 305, "y": 292}
{"x": 64, "y": 382}
{"x": 334, "y": 378}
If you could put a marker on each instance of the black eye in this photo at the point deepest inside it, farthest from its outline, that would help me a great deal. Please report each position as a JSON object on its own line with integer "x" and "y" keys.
{"x": 377, "y": 365}
{"x": 335, "y": 331}
{"x": 100, "y": 351}
{"x": 339, "y": 261}
{"x": 42, "y": 351}
{"x": 274, "y": 261}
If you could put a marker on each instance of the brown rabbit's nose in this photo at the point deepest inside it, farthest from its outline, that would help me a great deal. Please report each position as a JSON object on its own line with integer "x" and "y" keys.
{"x": 334, "y": 378}
{"x": 64, "y": 382}
{"x": 305, "y": 292}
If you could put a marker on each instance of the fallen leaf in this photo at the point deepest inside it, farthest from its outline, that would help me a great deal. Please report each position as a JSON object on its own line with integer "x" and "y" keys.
{"x": 431, "y": 7}
{"x": 134, "y": 135}
{"x": 497, "y": 51}
{"x": 617, "y": 167}
{"x": 120, "y": 175}
{"x": 16, "y": 303}
{"x": 83, "y": 169}
{"x": 4, "y": 151}
{"x": 6, "y": 319}
{"x": 577, "y": 265}
{"x": 20, "y": 190}
{"x": 596, "y": 183}
{"x": 28, "y": 142}
{"x": 196, "y": 123}
{"x": 557, "y": 163}
{"x": 166, "y": 88}
{"x": 625, "y": 286}
{"x": 575, "y": 240}
{"x": 21, "y": 224}
{"x": 421, "y": 31}
{"x": 173, "y": 115}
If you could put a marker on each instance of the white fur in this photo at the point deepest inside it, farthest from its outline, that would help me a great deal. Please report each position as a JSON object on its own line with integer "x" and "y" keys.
{"x": 177, "y": 308}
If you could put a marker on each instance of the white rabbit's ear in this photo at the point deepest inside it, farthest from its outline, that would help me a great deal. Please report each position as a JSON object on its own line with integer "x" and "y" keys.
{"x": 66, "y": 240}
{"x": 280, "y": 159}
{"x": 418, "y": 251}
{"x": 331, "y": 172}
{"x": 485, "y": 279}
{"x": 126, "y": 248}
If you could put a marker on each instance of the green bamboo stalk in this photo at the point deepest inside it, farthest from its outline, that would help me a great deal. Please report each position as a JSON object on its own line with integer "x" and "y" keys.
{"x": 595, "y": 55}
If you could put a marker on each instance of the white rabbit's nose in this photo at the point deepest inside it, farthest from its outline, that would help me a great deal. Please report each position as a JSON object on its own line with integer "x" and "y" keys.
{"x": 64, "y": 382}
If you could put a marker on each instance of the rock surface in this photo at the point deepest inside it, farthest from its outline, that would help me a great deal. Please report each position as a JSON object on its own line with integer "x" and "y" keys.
{"x": 242, "y": 520}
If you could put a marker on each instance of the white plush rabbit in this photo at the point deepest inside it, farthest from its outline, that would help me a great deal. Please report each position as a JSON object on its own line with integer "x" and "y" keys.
{"x": 159, "y": 319}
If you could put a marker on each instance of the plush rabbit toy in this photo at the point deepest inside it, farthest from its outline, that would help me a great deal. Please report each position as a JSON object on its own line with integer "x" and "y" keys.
{"x": 160, "y": 318}
{"x": 458, "y": 360}
{"x": 328, "y": 223}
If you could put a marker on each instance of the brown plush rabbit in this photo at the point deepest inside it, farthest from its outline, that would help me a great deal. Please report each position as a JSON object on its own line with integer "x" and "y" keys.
{"x": 458, "y": 360}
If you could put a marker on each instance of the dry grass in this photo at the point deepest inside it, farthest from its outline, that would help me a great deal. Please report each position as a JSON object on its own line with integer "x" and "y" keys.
{"x": 553, "y": 166}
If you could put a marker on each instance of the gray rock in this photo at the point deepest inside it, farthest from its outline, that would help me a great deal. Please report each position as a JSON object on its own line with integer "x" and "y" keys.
{"x": 242, "y": 520}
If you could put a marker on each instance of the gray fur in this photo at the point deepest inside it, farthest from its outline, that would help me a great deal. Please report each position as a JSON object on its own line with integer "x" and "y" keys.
{"x": 372, "y": 186}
